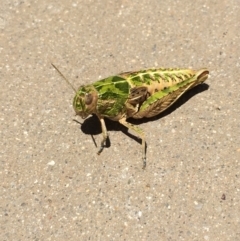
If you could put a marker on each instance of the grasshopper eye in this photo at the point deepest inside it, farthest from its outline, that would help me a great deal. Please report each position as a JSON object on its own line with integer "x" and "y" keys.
{"x": 88, "y": 99}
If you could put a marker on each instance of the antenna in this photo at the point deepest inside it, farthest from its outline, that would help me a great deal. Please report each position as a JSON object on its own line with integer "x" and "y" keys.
{"x": 64, "y": 78}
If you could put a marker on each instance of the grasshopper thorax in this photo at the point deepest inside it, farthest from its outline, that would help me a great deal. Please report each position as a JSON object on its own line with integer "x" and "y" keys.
{"x": 85, "y": 101}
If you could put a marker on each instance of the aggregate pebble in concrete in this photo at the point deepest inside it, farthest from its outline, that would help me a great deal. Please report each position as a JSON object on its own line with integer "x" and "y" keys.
{"x": 53, "y": 184}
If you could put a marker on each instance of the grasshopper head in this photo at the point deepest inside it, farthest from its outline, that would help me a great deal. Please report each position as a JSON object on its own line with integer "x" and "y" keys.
{"x": 85, "y": 101}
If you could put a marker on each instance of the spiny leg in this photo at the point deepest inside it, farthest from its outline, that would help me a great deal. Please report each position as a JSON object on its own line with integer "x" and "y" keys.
{"x": 105, "y": 135}
{"x": 140, "y": 133}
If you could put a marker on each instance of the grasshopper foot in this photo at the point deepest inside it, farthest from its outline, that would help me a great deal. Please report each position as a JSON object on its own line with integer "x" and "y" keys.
{"x": 144, "y": 163}
{"x": 100, "y": 150}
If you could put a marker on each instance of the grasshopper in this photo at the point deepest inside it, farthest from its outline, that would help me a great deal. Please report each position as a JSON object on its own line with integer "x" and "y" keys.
{"x": 136, "y": 94}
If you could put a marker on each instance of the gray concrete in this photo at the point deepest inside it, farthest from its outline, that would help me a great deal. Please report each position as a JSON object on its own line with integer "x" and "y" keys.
{"x": 53, "y": 184}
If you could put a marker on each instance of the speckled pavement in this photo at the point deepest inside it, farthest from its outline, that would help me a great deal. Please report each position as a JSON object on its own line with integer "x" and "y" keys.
{"x": 54, "y": 186}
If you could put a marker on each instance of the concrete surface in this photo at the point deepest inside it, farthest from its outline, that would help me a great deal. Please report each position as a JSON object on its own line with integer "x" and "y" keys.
{"x": 53, "y": 184}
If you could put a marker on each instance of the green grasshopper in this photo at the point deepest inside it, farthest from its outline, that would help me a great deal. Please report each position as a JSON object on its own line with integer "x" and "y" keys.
{"x": 137, "y": 94}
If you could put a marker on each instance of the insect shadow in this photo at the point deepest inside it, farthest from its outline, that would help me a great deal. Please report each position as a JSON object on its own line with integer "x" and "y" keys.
{"x": 91, "y": 126}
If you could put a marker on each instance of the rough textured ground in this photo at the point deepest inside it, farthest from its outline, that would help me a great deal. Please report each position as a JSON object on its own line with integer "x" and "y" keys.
{"x": 53, "y": 185}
